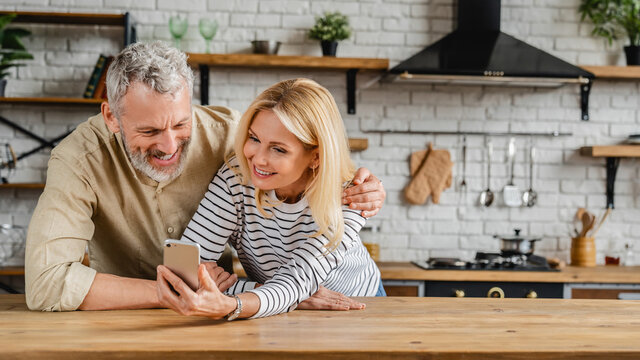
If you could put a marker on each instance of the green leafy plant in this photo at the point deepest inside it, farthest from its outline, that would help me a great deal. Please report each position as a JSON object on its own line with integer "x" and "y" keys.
{"x": 613, "y": 18}
{"x": 331, "y": 27}
{"x": 11, "y": 48}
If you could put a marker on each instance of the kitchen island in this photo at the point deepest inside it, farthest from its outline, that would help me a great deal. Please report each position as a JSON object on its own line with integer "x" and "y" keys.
{"x": 402, "y": 328}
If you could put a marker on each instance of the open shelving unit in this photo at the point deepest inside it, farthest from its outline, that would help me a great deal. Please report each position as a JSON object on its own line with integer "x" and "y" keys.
{"x": 260, "y": 61}
{"x": 122, "y": 20}
{"x": 613, "y": 154}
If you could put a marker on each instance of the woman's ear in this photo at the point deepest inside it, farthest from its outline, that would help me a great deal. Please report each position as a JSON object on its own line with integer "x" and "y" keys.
{"x": 109, "y": 118}
{"x": 315, "y": 160}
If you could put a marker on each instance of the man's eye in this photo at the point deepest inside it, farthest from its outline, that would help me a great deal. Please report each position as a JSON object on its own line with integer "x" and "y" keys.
{"x": 149, "y": 132}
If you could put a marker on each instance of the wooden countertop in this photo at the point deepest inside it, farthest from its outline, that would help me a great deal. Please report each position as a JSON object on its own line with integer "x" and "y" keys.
{"x": 571, "y": 274}
{"x": 402, "y": 328}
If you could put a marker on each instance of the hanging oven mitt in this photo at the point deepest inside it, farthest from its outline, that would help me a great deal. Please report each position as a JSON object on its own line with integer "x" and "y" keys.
{"x": 431, "y": 171}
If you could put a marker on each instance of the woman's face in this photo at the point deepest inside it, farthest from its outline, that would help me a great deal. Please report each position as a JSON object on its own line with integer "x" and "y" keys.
{"x": 277, "y": 159}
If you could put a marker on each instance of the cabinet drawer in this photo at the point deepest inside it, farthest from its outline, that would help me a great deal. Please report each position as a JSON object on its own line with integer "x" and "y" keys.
{"x": 403, "y": 287}
{"x": 595, "y": 293}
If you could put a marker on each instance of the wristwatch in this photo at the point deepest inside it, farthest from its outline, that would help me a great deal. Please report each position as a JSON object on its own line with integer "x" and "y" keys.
{"x": 235, "y": 313}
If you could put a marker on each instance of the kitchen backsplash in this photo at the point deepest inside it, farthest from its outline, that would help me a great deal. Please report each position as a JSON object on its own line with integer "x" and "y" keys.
{"x": 564, "y": 180}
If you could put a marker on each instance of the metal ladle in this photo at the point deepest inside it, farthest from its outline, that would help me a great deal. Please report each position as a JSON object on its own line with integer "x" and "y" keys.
{"x": 530, "y": 197}
{"x": 486, "y": 197}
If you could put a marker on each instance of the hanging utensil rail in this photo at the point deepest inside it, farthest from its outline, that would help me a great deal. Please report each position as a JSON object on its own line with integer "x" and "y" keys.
{"x": 481, "y": 133}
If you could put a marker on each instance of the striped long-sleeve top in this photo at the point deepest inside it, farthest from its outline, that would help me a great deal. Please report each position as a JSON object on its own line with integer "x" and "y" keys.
{"x": 279, "y": 250}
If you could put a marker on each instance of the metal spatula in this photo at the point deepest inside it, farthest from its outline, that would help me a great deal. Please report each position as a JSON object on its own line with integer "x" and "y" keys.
{"x": 510, "y": 193}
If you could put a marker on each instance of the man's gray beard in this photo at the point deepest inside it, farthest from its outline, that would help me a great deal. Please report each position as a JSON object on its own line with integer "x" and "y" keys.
{"x": 141, "y": 163}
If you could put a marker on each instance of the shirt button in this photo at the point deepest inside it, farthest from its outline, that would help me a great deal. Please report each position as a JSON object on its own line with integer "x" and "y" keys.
{"x": 158, "y": 190}
{"x": 170, "y": 230}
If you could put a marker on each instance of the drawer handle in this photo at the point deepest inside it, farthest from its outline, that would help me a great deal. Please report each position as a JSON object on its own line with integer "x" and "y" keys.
{"x": 496, "y": 292}
{"x": 459, "y": 293}
{"x": 532, "y": 295}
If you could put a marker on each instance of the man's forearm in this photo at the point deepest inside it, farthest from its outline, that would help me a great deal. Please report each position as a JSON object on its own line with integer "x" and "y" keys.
{"x": 111, "y": 292}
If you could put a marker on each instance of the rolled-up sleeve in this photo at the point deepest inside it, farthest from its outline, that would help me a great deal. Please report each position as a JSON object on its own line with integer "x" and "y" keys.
{"x": 59, "y": 230}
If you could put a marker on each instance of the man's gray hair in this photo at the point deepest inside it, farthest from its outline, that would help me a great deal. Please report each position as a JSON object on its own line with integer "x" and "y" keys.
{"x": 156, "y": 64}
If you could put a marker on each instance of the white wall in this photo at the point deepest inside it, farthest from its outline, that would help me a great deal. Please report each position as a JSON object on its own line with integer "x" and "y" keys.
{"x": 65, "y": 56}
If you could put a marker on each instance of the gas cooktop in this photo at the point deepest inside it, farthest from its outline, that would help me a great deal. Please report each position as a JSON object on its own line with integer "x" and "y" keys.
{"x": 488, "y": 261}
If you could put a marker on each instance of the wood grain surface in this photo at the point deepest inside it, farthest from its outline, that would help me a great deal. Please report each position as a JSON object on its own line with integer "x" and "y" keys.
{"x": 611, "y": 151}
{"x": 287, "y": 61}
{"x": 571, "y": 274}
{"x": 614, "y": 72}
{"x": 402, "y": 328}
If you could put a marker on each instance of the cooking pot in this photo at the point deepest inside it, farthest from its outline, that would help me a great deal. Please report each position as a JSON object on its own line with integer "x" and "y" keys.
{"x": 517, "y": 244}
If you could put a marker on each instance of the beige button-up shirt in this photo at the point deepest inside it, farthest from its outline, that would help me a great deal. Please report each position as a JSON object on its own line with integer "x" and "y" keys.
{"x": 94, "y": 197}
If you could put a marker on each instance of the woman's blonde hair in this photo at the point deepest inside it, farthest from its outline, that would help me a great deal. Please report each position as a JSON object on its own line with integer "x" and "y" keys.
{"x": 310, "y": 113}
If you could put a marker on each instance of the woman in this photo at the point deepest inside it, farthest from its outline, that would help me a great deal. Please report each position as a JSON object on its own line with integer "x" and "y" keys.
{"x": 278, "y": 202}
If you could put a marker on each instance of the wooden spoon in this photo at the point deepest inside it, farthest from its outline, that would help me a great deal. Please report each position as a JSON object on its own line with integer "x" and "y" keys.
{"x": 588, "y": 220}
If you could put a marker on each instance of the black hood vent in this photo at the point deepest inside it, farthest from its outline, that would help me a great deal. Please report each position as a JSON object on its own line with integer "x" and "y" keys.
{"x": 477, "y": 52}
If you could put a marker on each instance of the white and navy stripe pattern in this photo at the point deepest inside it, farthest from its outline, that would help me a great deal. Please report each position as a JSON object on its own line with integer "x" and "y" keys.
{"x": 278, "y": 251}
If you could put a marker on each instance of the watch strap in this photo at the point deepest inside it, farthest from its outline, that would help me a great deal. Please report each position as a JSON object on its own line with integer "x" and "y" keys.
{"x": 235, "y": 313}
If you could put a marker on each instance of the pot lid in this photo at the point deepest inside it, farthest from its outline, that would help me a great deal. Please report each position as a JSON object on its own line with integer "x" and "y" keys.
{"x": 517, "y": 237}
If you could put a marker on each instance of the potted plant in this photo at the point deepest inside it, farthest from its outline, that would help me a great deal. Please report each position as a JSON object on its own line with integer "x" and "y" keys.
{"x": 11, "y": 48}
{"x": 613, "y": 19}
{"x": 329, "y": 29}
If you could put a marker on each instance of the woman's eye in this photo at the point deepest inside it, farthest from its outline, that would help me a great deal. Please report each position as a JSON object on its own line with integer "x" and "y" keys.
{"x": 280, "y": 150}
{"x": 254, "y": 139}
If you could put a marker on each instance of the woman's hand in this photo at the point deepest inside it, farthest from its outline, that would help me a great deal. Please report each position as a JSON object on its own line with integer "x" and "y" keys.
{"x": 366, "y": 194}
{"x": 208, "y": 301}
{"x": 325, "y": 299}
{"x": 223, "y": 279}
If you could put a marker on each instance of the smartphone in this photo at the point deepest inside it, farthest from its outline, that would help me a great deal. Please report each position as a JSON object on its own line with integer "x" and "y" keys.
{"x": 183, "y": 258}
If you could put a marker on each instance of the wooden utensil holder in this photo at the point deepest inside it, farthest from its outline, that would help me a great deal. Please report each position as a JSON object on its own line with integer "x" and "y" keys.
{"x": 583, "y": 251}
{"x": 373, "y": 249}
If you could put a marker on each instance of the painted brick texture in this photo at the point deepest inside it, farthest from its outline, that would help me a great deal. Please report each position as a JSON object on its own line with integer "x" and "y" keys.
{"x": 396, "y": 29}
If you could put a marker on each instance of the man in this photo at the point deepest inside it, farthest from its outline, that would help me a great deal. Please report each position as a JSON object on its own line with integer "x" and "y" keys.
{"x": 131, "y": 177}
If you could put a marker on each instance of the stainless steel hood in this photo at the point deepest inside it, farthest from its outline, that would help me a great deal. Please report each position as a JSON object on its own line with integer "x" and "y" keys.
{"x": 478, "y": 53}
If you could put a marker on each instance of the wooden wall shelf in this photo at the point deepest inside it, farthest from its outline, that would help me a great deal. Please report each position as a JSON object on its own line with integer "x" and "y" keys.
{"x": 67, "y": 18}
{"x": 261, "y": 61}
{"x": 297, "y": 62}
{"x": 49, "y": 101}
{"x": 22, "y": 186}
{"x": 611, "y": 151}
{"x": 614, "y": 72}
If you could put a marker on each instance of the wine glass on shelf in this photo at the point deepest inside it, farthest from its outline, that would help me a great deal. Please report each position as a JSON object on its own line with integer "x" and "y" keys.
{"x": 208, "y": 29}
{"x": 178, "y": 25}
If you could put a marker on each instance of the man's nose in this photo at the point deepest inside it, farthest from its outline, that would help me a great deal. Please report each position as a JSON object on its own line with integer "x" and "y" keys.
{"x": 168, "y": 142}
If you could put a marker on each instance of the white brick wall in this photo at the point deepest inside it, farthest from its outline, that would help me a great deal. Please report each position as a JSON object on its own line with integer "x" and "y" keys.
{"x": 382, "y": 28}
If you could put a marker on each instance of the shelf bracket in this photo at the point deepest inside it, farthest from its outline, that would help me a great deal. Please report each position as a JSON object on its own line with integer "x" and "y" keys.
{"x": 585, "y": 89}
{"x": 351, "y": 91}
{"x": 44, "y": 143}
{"x": 612, "y": 169}
{"x": 204, "y": 84}
{"x": 130, "y": 35}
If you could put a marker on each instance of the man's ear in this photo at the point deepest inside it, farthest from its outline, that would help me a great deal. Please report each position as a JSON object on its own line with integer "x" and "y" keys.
{"x": 109, "y": 118}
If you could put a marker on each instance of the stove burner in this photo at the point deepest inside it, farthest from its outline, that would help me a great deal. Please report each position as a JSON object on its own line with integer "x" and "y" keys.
{"x": 446, "y": 263}
{"x": 489, "y": 261}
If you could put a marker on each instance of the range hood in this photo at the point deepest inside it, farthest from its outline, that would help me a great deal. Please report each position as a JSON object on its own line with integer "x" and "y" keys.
{"x": 478, "y": 53}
